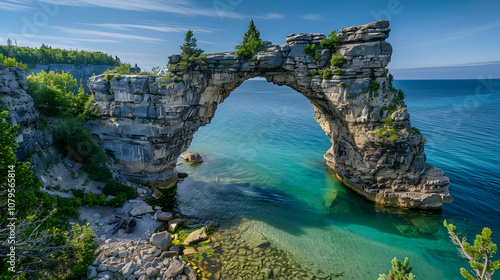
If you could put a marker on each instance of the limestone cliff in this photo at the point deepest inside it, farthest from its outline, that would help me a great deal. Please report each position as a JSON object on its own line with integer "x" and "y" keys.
{"x": 34, "y": 138}
{"x": 147, "y": 121}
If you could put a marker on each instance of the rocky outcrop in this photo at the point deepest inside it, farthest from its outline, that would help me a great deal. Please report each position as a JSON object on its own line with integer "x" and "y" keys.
{"x": 81, "y": 72}
{"x": 34, "y": 139}
{"x": 147, "y": 121}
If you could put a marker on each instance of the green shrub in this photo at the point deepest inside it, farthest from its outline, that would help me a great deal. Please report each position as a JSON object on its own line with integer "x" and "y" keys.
{"x": 11, "y": 62}
{"x": 312, "y": 50}
{"x": 118, "y": 200}
{"x": 374, "y": 85}
{"x": 78, "y": 193}
{"x": 117, "y": 77}
{"x": 93, "y": 199}
{"x": 76, "y": 143}
{"x": 53, "y": 93}
{"x": 161, "y": 85}
{"x": 416, "y": 130}
{"x": 332, "y": 42}
{"x": 337, "y": 61}
{"x": 419, "y": 153}
{"x": 123, "y": 69}
{"x": 108, "y": 78}
{"x": 251, "y": 42}
{"x": 338, "y": 72}
{"x": 343, "y": 84}
{"x": 57, "y": 188}
{"x": 327, "y": 74}
{"x": 399, "y": 97}
{"x": 114, "y": 188}
{"x": 177, "y": 79}
{"x": 388, "y": 121}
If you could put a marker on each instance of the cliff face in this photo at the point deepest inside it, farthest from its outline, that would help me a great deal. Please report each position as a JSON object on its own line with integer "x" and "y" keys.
{"x": 34, "y": 139}
{"x": 80, "y": 72}
{"x": 147, "y": 121}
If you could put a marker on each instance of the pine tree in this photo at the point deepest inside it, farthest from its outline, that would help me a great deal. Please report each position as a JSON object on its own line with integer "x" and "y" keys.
{"x": 399, "y": 271}
{"x": 479, "y": 255}
{"x": 189, "y": 48}
{"x": 251, "y": 42}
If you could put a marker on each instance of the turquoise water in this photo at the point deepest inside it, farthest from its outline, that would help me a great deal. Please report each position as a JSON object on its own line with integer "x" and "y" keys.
{"x": 264, "y": 162}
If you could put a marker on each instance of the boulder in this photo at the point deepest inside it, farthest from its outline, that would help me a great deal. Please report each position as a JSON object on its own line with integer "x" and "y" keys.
{"x": 128, "y": 269}
{"x": 91, "y": 272}
{"x": 175, "y": 268}
{"x": 169, "y": 254}
{"x": 140, "y": 207}
{"x": 192, "y": 157}
{"x": 162, "y": 240}
{"x": 165, "y": 216}
{"x": 189, "y": 273}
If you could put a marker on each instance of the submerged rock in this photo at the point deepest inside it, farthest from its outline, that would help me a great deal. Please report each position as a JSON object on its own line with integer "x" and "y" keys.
{"x": 192, "y": 157}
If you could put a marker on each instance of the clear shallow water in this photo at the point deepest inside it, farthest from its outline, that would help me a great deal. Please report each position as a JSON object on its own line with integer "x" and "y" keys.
{"x": 264, "y": 161}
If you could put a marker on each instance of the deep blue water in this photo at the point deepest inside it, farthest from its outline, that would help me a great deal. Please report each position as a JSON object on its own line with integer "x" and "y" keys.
{"x": 264, "y": 162}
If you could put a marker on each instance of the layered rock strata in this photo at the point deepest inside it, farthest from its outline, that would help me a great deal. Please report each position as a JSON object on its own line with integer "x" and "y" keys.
{"x": 147, "y": 121}
{"x": 34, "y": 139}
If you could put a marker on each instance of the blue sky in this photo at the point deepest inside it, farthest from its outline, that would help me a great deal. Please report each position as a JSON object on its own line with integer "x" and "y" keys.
{"x": 424, "y": 33}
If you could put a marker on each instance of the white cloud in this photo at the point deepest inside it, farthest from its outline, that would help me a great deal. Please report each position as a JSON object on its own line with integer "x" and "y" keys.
{"x": 270, "y": 16}
{"x": 181, "y": 7}
{"x": 312, "y": 17}
{"x": 159, "y": 28}
{"x": 15, "y": 5}
{"x": 65, "y": 39}
{"x": 74, "y": 31}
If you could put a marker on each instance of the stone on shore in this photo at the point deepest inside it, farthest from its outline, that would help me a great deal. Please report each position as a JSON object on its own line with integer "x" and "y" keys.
{"x": 162, "y": 240}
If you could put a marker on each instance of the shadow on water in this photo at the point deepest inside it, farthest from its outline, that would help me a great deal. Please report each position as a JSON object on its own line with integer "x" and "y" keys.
{"x": 344, "y": 206}
{"x": 228, "y": 203}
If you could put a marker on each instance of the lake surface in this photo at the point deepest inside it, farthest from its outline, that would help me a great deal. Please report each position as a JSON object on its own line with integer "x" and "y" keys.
{"x": 264, "y": 162}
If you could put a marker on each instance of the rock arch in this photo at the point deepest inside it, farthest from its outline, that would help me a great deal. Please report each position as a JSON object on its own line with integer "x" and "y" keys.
{"x": 147, "y": 121}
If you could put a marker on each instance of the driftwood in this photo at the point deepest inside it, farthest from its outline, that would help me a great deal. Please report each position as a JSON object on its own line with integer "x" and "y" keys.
{"x": 124, "y": 221}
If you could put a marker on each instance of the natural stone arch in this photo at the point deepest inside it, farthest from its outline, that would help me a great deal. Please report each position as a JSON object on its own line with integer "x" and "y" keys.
{"x": 150, "y": 121}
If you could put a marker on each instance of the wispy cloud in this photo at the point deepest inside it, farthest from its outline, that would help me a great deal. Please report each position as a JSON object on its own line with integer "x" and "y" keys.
{"x": 180, "y": 7}
{"x": 15, "y": 5}
{"x": 312, "y": 17}
{"x": 64, "y": 39}
{"x": 270, "y": 16}
{"x": 94, "y": 33}
{"x": 454, "y": 36}
{"x": 159, "y": 28}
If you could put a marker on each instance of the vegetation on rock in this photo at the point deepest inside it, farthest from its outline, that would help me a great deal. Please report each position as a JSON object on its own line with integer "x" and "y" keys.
{"x": 251, "y": 42}
{"x": 77, "y": 143}
{"x": 337, "y": 61}
{"x": 123, "y": 69}
{"x": 55, "y": 95}
{"x": 11, "y": 62}
{"x": 332, "y": 42}
{"x": 46, "y": 246}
